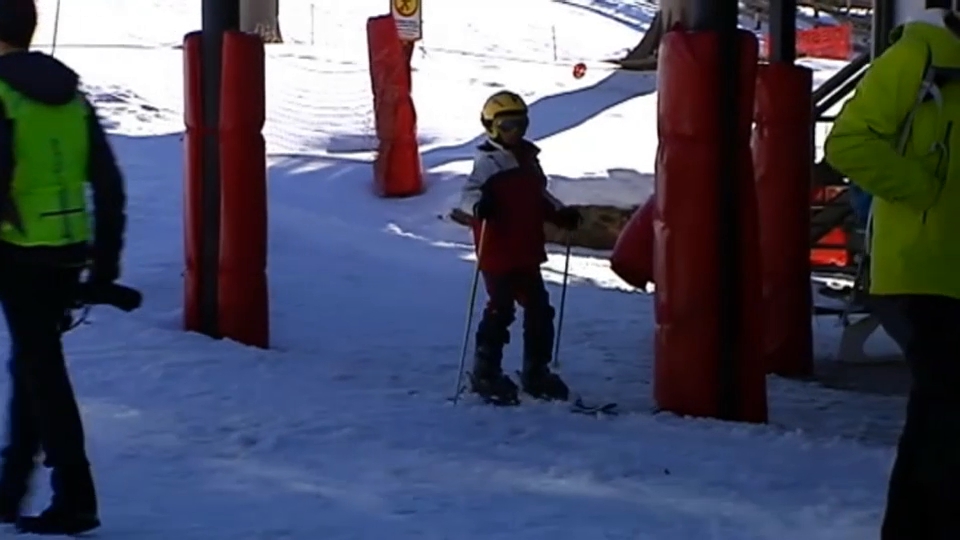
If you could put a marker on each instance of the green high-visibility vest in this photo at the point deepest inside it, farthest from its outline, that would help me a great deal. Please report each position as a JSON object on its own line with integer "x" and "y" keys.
{"x": 48, "y": 193}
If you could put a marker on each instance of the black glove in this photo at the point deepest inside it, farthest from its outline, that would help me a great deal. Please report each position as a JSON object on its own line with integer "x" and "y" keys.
{"x": 110, "y": 294}
{"x": 484, "y": 209}
{"x": 103, "y": 272}
{"x": 568, "y": 218}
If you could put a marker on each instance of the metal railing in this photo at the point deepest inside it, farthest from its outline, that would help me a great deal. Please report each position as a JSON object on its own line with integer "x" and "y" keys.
{"x": 839, "y": 86}
{"x": 835, "y": 211}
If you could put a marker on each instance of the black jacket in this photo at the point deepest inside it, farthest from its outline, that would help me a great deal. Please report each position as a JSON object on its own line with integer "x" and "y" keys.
{"x": 45, "y": 79}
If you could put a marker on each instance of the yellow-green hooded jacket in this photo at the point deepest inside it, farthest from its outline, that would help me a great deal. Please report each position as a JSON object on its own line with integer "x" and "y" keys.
{"x": 915, "y": 245}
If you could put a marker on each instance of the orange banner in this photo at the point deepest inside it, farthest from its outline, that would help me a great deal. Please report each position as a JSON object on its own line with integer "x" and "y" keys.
{"x": 831, "y": 42}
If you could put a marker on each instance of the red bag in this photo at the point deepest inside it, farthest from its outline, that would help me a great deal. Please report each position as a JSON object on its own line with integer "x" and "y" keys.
{"x": 632, "y": 257}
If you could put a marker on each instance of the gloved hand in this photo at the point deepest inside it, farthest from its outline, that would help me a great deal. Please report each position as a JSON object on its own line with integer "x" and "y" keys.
{"x": 484, "y": 209}
{"x": 568, "y": 218}
{"x": 111, "y": 294}
{"x": 101, "y": 277}
{"x": 103, "y": 273}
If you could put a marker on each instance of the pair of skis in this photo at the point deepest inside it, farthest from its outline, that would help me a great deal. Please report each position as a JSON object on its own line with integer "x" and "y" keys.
{"x": 576, "y": 404}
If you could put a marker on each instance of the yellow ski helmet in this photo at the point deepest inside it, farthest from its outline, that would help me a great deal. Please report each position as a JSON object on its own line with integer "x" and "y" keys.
{"x": 502, "y": 112}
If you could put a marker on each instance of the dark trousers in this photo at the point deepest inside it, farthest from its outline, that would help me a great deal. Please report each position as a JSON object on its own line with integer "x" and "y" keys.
{"x": 923, "y": 499}
{"x": 43, "y": 413}
{"x": 504, "y": 291}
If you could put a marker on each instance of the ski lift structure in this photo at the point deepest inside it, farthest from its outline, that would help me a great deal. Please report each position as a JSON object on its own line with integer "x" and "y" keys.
{"x": 832, "y": 216}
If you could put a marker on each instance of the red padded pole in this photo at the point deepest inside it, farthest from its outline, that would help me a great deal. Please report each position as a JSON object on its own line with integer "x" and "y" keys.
{"x": 752, "y": 372}
{"x": 687, "y": 257}
{"x": 243, "y": 307}
{"x": 192, "y": 179}
{"x": 783, "y": 160}
{"x": 397, "y": 168}
{"x": 380, "y": 59}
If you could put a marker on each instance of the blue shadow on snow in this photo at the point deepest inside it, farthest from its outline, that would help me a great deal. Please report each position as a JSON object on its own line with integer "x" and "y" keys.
{"x": 635, "y": 16}
{"x": 557, "y": 113}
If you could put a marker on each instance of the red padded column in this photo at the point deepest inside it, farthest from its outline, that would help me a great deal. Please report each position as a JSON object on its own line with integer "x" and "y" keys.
{"x": 687, "y": 257}
{"x": 397, "y": 169}
{"x": 783, "y": 160}
{"x": 192, "y": 180}
{"x": 243, "y": 307}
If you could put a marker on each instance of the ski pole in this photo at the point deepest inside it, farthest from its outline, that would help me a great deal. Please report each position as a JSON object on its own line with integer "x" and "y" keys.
{"x": 470, "y": 307}
{"x": 56, "y": 30}
{"x": 563, "y": 302}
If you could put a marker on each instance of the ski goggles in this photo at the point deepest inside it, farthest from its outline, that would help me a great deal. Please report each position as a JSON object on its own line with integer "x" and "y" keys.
{"x": 510, "y": 124}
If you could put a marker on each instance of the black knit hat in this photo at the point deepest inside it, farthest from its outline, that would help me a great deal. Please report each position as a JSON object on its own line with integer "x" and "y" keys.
{"x": 18, "y": 21}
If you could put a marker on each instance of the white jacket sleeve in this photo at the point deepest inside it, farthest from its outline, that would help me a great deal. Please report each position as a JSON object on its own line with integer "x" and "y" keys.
{"x": 485, "y": 166}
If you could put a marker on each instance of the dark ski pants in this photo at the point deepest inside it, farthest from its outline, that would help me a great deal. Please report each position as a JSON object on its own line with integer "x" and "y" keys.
{"x": 42, "y": 413}
{"x": 923, "y": 498}
{"x": 504, "y": 291}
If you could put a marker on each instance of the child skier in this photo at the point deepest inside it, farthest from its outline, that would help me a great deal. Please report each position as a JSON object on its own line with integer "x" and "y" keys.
{"x": 507, "y": 195}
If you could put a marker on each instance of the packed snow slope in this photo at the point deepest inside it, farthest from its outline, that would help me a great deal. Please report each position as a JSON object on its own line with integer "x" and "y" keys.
{"x": 342, "y": 430}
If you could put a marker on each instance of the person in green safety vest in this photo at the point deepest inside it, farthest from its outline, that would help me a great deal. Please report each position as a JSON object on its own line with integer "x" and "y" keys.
{"x": 52, "y": 147}
{"x": 895, "y": 139}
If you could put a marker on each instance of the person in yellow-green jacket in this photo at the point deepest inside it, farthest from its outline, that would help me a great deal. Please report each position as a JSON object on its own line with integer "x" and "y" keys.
{"x": 52, "y": 147}
{"x": 898, "y": 139}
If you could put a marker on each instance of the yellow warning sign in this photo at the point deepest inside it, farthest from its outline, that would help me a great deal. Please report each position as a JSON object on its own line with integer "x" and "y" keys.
{"x": 408, "y": 14}
{"x": 406, "y": 8}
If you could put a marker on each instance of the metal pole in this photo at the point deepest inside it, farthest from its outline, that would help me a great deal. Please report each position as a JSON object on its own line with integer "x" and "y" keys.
{"x": 837, "y": 80}
{"x": 56, "y": 30}
{"x": 553, "y": 37}
{"x": 884, "y": 20}
{"x": 783, "y": 31}
{"x": 728, "y": 228}
{"x": 218, "y": 16}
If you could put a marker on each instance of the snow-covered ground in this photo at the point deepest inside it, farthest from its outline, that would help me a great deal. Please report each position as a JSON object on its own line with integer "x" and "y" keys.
{"x": 343, "y": 430}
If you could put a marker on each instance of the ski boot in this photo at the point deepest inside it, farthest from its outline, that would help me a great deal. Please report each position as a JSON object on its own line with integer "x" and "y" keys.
{"x": 9, "y": 509}
{"x": 15, "y": 477}
{"x": 487, "y": 378}
{"x": 536, "y": 379}
{"x": 539, "y": 382}
{"x": 494, "y": 387}
{"x": 58, "y": 522}
{"x": 10, "y": 504}
{"x": 73, "y": 510}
